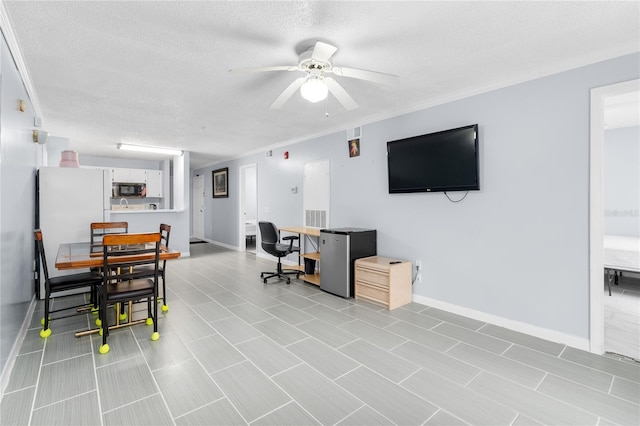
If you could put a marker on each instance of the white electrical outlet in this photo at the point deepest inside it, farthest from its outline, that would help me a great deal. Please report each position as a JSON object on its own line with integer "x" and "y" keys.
{"x": 418, "y": 265}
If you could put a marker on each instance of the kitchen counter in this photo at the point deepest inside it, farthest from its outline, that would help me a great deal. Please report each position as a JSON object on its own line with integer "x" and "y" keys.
{"x": 142, "y": 211}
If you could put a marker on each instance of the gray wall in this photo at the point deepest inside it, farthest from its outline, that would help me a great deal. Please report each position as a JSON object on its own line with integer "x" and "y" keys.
{"x": 622, "y": 181}
{"x": 517, "y": 249}
{"x": 18, "y": 159}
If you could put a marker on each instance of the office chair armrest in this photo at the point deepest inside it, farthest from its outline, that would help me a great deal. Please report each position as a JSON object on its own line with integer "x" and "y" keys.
{"x": 291, "y": 239}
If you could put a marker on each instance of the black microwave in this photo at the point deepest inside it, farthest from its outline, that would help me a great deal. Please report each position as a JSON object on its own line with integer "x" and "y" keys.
{"x": 129, "y": 190}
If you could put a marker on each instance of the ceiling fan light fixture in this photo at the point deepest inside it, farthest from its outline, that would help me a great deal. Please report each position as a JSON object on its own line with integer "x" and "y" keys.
{"x": 314, "y": 90}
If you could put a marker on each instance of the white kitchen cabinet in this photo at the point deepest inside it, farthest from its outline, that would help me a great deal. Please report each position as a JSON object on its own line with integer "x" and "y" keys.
{"x": 154, "y": 183}
{"x": 128, "y": 176}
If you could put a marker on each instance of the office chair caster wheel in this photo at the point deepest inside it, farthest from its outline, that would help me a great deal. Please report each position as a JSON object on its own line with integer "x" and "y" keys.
{"x": 264, "y": 281}
{"x": 262, "y": 275}
{"x": 164, "y": 308}
{"x": 45, "y": 333}
{"x": 155, "y": 336}
{"x": 104, "y": 349}
{"x": 288, "y": 280}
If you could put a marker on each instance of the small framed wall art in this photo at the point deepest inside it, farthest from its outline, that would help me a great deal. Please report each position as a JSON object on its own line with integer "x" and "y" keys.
{"x": 354, "y": 147}
{"x": 221, "y": 183}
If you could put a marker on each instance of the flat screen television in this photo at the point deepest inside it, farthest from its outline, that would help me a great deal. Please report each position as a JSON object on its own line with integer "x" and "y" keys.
{"x": 435, "y": 162}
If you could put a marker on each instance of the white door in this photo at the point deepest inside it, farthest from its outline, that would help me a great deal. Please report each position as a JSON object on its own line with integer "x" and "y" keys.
{"x": 248, "y": 199}
{"x": 599, "y": 98}
{"x": 198, "y": 207}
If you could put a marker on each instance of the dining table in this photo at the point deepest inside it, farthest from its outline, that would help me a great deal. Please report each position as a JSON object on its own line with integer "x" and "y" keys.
{"x": 88, "y": 255}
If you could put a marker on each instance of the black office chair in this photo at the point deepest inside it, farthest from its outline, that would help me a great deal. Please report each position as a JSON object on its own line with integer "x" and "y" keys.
{"x": 54, "y": 285}
{"x": 270, "y": 237}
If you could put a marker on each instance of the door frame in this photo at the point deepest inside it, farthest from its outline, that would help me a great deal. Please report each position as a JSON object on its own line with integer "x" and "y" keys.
{"x": 596, "y": 209}
{"x": 242, "y": 240}
{"x": 194, "y": 209}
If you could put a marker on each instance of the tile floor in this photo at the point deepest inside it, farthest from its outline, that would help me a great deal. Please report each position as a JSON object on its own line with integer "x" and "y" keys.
{"x": 622, "y": 317}
{"x": 234, "y": 351}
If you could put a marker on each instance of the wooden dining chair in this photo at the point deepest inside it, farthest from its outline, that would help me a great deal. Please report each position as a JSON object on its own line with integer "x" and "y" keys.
{"x": 130, "y": 265}
{"x": 91, "y": 280}
{"x": 100, "y": 229}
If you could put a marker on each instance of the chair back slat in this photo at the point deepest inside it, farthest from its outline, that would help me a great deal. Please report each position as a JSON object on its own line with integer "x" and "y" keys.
{"x": 121, "y": 252}
{"x": 100, "y": 229}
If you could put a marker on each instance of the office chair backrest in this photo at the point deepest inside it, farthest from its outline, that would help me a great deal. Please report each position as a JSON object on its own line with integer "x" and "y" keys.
{"x": 268, "y": 232}
{"x": 268, "y": 236}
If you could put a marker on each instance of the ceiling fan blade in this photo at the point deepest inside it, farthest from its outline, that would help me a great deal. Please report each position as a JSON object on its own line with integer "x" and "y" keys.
{"x": 341, "y": 95}
{"x": 375, "y": 76}
{"x": 264, "y": 69}
{"x": 287, "y": 93}
{"x": 322, "y": 52}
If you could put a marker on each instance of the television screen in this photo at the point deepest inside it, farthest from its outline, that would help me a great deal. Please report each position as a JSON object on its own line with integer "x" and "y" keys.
{"x": 435, "y": 162}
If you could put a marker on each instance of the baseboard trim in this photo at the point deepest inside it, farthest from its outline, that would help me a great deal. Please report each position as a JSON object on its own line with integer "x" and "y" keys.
{"x": 540, "y": 332}
{"x": 15, "y": 350}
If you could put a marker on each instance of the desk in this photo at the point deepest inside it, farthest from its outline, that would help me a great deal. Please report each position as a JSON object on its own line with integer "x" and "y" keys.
{"x": 87, "y": 255}
{"x": 315, "y": 255}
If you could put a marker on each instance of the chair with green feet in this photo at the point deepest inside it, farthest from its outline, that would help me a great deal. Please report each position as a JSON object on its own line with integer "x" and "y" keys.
{"x": 165, "y": 230}
{"x": 130, "y": 265}
{"x": 52, "y": 285}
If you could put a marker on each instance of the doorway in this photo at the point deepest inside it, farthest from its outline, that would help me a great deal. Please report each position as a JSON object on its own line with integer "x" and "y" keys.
{"x": 599, "y": 97}
{"x": 248, "y": 220}
{"x": 197, "y": 195}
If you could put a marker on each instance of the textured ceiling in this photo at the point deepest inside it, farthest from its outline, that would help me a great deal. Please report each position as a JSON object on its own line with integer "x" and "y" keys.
{"x": 156, "y": 73}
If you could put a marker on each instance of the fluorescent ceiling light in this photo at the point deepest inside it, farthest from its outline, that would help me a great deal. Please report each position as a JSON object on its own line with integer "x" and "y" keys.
{"x": 314, "y": 90}
{"x": 153, "y": 149}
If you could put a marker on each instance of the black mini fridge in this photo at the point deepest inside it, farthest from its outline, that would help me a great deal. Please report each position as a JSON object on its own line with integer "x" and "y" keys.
{"x": 339, "y": 248}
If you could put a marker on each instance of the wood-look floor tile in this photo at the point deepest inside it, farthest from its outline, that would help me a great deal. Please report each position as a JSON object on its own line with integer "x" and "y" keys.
{"x": 538, "y": 406}
{"x": 600, "y": 403}
{"x": 468, "y": 405}
{"x": 315, "y": 393}
{"x": 123, "y": 382}
{"x": 456, "y": 370}
{"x": 149, "y": 411}
{"x": 325, "y": 359}
{"x": 220, "y": 412}
{"x": 267, "y": 355}
{"x": 250, "y": 391}
{"x": 183, "y": 396}
{"x": 392, "y": 401}
{"x": 80, "y": 410}
{"x": 65, "y": 379}
{"x": 290, "y": 414}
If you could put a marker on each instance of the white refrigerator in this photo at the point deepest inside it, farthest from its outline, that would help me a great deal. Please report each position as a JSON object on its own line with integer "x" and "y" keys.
{"x": 69, "y": 199}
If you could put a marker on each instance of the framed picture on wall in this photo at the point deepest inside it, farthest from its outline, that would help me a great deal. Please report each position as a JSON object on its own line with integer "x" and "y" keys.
{"x": 354, "y": 147}
{"x": 221, "y": 183}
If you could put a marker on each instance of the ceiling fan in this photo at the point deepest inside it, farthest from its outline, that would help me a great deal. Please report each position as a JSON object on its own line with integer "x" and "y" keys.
{"x": 315, "y": 85}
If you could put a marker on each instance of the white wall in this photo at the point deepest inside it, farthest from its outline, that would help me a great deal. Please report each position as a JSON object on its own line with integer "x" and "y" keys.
{"x": 515, "y": 250}
{"x": 18, "y": 160}
{"x": 622, "y": 181}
